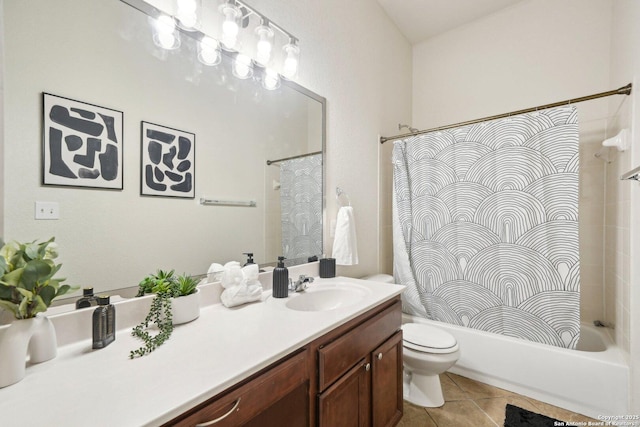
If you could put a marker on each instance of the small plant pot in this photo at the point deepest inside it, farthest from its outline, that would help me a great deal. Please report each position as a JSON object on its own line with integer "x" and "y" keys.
{"x": 186, "y": 309}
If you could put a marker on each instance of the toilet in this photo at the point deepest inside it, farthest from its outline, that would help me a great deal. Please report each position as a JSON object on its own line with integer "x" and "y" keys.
{"x": 427, "y": 352}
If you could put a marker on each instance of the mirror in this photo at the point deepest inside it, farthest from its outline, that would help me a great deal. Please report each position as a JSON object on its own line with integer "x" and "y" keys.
{"x": 101, "y": 53}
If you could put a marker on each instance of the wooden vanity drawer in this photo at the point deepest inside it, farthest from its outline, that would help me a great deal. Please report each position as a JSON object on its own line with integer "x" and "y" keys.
{"x": 337, "y": 357}
{"x": 242, "y": 404}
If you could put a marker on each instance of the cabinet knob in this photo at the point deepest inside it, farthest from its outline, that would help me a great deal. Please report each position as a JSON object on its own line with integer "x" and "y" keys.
{"x": 367, "y": 367}
{"x": 380, "y": 356}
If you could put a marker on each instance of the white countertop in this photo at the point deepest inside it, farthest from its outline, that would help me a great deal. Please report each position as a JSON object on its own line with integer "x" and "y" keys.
{"x": 223, "y": 346}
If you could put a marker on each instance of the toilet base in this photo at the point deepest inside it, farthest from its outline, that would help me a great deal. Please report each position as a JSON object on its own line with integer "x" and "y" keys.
{"x": 423, "y": 390}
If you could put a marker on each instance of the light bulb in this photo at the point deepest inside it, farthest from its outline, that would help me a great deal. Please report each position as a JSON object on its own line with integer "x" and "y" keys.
{"x": 291, "y": 56}
{"x": 230, "y": 26}
{"x": 264, "y": 46}
{"x": 187, "y": 14}
{"x": 188, "y": 6}
{"x": 209, "y": 51}
{"x": 270, "y": 80}
{"x": 242, "y": 67}
{"x": 165, "y": 35}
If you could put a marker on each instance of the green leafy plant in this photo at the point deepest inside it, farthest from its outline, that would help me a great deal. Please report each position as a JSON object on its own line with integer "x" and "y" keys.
{"x": 165, "y": 285}
{"x": 27, "y": 285}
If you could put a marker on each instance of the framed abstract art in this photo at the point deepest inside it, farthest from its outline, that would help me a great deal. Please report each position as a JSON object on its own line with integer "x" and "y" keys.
{"x": 82, "y": 144}
{"x": 167, "y": 162}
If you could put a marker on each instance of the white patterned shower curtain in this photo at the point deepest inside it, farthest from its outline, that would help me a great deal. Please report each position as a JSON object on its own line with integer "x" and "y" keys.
{"x": 486, "y": 226}
{"x": 301, "y": 206}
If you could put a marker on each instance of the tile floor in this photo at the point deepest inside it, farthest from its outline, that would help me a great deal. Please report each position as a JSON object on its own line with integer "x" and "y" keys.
{"x": 474, "y": 404}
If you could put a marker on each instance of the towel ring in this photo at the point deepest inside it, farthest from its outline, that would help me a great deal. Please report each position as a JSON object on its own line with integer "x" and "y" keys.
{"x": 340, "y": 192}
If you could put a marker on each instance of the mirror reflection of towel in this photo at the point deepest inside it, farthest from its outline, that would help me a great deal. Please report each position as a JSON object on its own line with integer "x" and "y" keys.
{"x": 345, "y": 245}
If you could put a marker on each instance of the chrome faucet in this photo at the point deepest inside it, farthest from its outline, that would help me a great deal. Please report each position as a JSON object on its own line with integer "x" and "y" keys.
{"x": 300, "y": 284}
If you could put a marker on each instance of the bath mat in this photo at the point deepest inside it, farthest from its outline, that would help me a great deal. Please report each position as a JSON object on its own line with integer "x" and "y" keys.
{"x": 518, "y": 417}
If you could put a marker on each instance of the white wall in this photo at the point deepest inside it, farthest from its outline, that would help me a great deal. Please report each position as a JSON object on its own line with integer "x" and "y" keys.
{"x": 535, "y": 52}
{"x": 356, "y": 58}
{"x": 624, "y": 197}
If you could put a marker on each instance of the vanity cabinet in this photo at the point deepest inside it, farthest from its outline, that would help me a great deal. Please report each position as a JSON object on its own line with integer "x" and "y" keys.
{"x": 277, "y": 396}
{"x": 351, "y": 376}
{"x": 360, "y": 373}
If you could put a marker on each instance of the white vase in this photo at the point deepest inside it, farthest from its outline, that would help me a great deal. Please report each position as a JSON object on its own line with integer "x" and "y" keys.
{"x": 33, "y": 337}
{"x": 185, "y": 309}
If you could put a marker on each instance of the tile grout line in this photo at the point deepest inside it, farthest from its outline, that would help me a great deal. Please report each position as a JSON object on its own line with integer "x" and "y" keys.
{"x": 430, "y": 417}
{"x": 487, "y": 415}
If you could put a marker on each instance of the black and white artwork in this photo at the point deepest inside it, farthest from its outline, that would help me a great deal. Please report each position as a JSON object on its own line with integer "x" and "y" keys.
{"x": 486, "y": 226}
{"x": 168, "y": 161}
{"x": 82, "y": 144}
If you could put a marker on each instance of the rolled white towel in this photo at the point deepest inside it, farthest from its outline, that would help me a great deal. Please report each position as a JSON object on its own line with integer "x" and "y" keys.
{"x": 241, "y": 294}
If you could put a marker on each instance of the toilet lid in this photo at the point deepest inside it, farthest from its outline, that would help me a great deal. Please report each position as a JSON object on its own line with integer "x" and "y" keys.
{"x": 428, "y": 339}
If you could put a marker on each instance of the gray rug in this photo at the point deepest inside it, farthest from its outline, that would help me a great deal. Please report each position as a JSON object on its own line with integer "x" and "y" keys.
{"x": 518, "y": 417}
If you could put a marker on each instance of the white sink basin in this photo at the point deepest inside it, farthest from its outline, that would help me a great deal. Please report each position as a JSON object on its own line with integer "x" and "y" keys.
{"x": 326, "y": 297}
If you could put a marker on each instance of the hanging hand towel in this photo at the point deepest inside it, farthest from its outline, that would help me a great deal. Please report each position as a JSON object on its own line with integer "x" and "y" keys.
{"x": 345, "y": 245}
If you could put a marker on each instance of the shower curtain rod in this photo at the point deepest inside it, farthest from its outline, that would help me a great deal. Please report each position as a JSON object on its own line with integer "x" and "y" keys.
{"x": 625, "y": 90}
{"x": 269, "y": 162}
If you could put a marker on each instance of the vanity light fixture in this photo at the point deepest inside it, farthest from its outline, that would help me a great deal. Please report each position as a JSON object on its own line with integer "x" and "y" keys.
{"x": 209, "y": 51}
{"x": 270, "y": 79}
{"x": 242, "y": 67}
{"x": 291, "y": 58}
{"x": 230, "y": 26}
{"x": 268, "y": 35}
{"x": 264, "y": 34}
{"x": 275, "y": 54}
{"x": 165, "y": 34}
{"x": 187, "y": 14}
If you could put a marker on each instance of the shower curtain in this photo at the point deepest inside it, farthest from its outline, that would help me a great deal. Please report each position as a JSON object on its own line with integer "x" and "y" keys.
{"x": 301, "y": 206}
{"x": 486, "y": 226}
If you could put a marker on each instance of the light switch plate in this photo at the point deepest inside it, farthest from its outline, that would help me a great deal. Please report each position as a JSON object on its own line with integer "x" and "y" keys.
{"x": 47, "y": 210}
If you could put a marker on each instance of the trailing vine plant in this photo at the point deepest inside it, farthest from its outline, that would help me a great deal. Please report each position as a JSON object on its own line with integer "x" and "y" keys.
{"x": 165, "y": 285}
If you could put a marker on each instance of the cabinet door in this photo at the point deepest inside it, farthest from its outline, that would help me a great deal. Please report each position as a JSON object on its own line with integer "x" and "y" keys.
{"x": 386, "y": 382}
{"x": 347, "y": 402}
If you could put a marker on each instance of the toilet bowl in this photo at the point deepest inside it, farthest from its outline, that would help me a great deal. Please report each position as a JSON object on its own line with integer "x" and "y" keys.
{"x": 427, "y": 353}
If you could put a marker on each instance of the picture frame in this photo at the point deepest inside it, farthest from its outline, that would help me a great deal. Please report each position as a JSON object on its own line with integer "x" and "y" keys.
{"x": 82, "y": 144}
{"x": 167, "y": 161}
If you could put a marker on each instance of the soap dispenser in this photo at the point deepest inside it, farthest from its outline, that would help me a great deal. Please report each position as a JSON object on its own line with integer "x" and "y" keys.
{"x": 104, "y": 322}
{"x": 280, "y": 287}
{"x": 249, "y": 258}
{"x": 87, "y": 299}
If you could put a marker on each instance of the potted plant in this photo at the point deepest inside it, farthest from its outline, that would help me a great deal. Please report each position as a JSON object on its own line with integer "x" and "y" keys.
{"x": 176, "y": 301}
{"x": 27, "y": 287}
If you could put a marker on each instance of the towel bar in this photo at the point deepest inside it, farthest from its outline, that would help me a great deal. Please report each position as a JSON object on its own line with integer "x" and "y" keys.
{"x": 216, "y": 202}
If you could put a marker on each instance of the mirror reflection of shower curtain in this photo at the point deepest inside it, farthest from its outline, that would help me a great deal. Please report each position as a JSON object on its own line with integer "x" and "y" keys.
{"x": 301, "y": 206}
{"x": 486, "y": 226}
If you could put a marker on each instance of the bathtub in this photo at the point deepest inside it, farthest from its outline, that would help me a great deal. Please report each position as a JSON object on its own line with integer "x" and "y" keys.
{"x": 592, "y": 380}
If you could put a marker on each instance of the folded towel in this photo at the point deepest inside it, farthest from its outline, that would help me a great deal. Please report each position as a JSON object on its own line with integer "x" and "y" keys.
{"x": 345, "y": 245}
{"x": 232, "y": 274}
{"x": 241, "y": 294}
{"x": 214, "y": 274}
{"x": 241, "y": 284}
